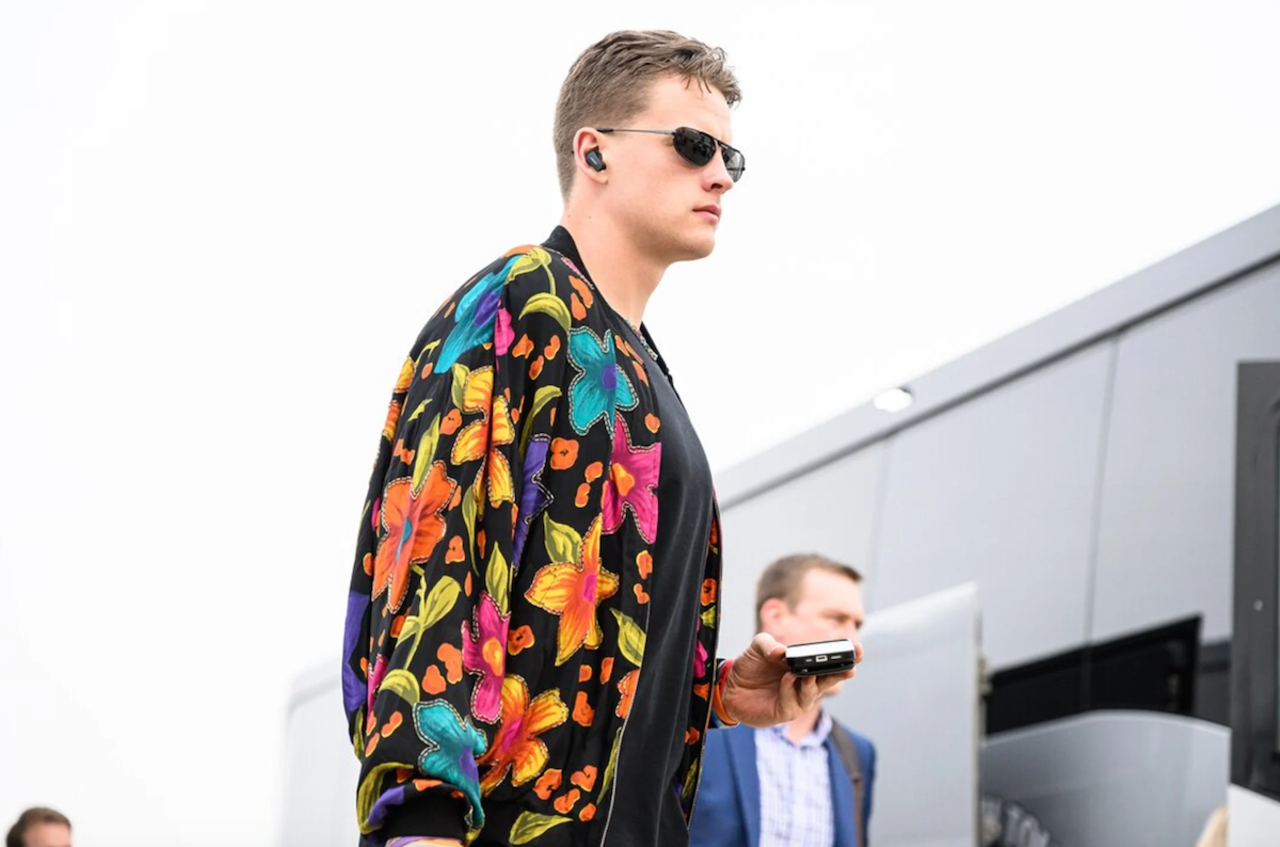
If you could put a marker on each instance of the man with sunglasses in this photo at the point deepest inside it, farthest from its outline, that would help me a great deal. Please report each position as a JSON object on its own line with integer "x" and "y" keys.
{"x": 541, "y": 523}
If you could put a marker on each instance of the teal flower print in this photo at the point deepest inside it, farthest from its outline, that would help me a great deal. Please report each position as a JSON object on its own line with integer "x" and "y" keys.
{"x": 473, "y": 322}
{"x": 601, "y": 386}
{"x": 452, "y": 745}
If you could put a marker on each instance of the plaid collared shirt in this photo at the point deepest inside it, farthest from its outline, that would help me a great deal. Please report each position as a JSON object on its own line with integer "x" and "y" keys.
{"x": 795, "y": 787}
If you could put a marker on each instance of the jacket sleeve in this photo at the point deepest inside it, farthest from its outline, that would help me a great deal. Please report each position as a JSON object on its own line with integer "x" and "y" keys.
{"x": 428, "y": 613}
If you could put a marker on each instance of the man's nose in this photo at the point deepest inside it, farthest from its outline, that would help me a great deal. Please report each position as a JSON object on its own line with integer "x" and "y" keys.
{"x": 716, "y": 175}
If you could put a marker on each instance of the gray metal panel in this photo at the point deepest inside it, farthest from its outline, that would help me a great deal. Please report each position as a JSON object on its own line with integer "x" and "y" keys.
{"x": 1114, "y": 779}
{"x": 1165, "y": 537}
{"x": 830, "y": 511}
{"x": 1002, "y": 491}
{"x": 916, "y": 698}
{"x": 1136, "y": 298}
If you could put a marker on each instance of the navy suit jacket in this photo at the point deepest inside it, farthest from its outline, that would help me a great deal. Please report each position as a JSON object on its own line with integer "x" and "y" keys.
{"x": 728, "y": 806}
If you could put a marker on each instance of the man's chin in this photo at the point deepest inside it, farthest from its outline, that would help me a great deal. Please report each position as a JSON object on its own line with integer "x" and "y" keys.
{"x": 693, "y": 249}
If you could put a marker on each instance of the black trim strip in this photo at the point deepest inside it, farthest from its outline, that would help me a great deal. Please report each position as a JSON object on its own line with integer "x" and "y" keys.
{"x": 1255, "y": 663}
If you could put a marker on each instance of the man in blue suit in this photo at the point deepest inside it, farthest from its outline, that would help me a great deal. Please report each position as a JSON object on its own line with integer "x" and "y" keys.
{"x": 806, "y": 783}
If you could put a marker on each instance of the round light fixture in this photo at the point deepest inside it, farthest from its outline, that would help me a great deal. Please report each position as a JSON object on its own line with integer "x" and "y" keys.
{"x": 893, "y": 400}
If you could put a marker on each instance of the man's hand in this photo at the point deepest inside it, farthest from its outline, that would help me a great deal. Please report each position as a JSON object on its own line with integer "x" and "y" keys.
{"x": 761, "y": 691}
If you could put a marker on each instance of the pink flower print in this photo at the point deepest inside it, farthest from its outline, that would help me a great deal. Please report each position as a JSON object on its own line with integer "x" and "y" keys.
{"x": 484, "y": 653}
{"x": 633, "y": 476}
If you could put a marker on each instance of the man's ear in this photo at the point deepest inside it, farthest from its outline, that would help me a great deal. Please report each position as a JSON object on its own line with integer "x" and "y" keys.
{"x": 588, "y": 157}
{"x": 771, "y": 611}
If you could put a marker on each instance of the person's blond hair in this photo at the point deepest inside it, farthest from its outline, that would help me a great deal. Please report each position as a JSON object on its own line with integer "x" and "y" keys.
{"x": 609, "y": 83}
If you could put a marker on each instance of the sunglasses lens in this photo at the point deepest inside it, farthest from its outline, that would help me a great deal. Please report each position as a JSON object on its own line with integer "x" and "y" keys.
{"x": 697, "y": 148}
{"x": 734, "y": 162}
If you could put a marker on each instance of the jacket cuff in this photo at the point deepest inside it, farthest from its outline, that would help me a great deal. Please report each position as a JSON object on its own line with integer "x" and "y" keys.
{"x": 429, "y": 816}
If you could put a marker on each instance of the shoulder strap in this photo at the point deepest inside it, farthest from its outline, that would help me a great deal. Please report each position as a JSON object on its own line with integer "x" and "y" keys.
{"x": 849, "y": 756}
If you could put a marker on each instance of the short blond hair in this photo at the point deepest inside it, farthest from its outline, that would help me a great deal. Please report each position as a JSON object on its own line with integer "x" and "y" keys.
{"x": 781, "y": 580}
{"x": 609, "y": 83}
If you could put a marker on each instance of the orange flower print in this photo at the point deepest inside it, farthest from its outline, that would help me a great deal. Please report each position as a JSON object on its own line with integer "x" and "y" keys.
{"x": 588, "y": 812}
{"x": 584, "y": 673}
{"x": 594, "y": 471}
{"x": 455, "y": 553}
{"x": 575, "y": 305}
{"x": 391, "y": 725}
{"x": 652, "y": 422}
{"x": 413, "y": 524}
{"x": 519, "y": 639}
{"x": 552, "y": 348}
{"x": 627, "y": 688}
{"x": 452, "y": 658}
{"x": 585, "y": 778}
{"x": 451, "y": 422}
{"x": 523, "y": 347}
{"x": 584, "y": 495}
{"x": 606, "y": 668}
{"x": 573, "y": 590}
{"x": 644, "y": 562}
{"x": 708, "y": 591}
{"x": 548, "y": 783}
{"x": 583, "y": 290}
{"x": 517, "y": 748}
{"x": 393, "y": 417}
{"x": 432, "y": 681}
{"x": 564, "y": 803}
{"x": 582, "y": 711}
{"x": 564, "y": 453}
{"x": 402, "y": 454}
{"x": 642, "y": 596}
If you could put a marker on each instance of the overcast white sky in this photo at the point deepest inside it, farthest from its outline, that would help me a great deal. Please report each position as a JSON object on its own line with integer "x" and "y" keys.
{"x": 222, "y": 225}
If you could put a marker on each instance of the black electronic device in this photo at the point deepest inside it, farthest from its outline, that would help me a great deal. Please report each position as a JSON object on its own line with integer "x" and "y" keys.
{"x": 816, "y": 658}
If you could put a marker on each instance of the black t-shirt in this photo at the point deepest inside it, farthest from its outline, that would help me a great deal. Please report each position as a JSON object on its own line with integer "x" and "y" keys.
{"x": 646, "y": 811}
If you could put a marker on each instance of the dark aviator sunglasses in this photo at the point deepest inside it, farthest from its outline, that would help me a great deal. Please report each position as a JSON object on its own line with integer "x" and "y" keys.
{"x": 697, "y": 147}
